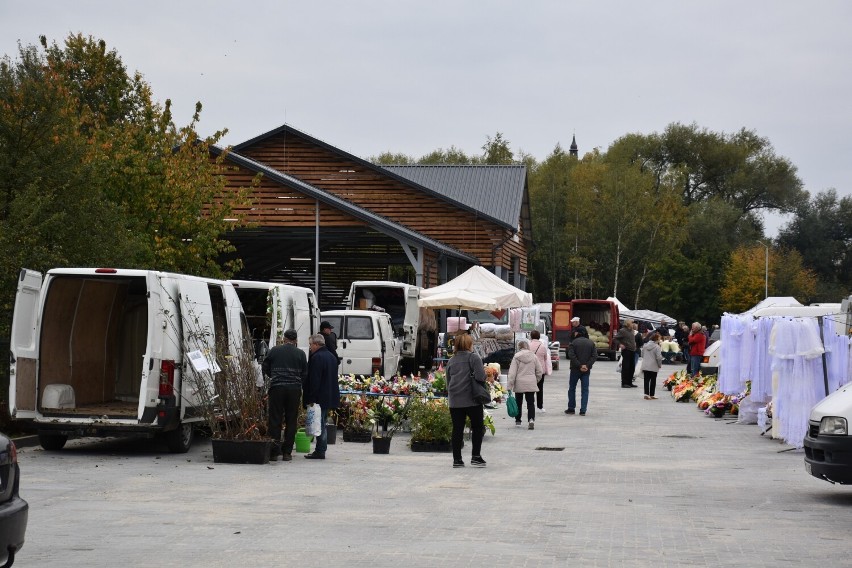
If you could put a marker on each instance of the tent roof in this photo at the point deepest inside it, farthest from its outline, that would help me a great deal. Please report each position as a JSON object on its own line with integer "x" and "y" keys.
{"x": 775, "y": 302}
{"x": 479, "y": 281}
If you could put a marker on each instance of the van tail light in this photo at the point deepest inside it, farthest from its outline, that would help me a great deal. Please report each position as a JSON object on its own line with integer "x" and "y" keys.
{"x": 705, "y": 359}
{"x": 377, "y": 364}
{"x": 167, "y": 378}
{"x": 13, "y": 453}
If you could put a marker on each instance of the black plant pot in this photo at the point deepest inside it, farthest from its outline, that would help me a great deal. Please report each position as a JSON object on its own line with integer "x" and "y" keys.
{"x": 381, "y": 445}
{"x": 331, "y": 433}
{"x": 241, "y": 451}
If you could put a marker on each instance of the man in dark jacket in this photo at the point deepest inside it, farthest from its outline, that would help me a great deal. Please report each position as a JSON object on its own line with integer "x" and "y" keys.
{"x": 287, "y": 368}
{"x": 582, "y": 353}
{"x": 330, "y": 338}
{"x": 626, "y": 337}
{"x": 321, "y": 388}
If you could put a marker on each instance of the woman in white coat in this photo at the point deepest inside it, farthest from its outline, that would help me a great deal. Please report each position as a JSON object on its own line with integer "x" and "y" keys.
{"x": 524, "y": 373}
{"x": 652, "y": 362}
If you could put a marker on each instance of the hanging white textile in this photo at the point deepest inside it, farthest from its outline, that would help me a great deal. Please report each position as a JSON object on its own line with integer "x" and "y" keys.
{"x": 796, "y": 349}
{"x": 761, "y": 380}
{"x": 729, "y": 354}
{"x": 837, "y": 354}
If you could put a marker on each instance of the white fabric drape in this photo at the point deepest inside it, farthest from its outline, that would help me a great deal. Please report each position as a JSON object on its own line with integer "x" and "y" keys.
{"x": 796, "y": 348}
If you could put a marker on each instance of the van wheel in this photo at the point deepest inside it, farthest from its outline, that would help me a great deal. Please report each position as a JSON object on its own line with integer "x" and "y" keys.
{"x": 180, "y": 439}
{"x": 52, "y": 442}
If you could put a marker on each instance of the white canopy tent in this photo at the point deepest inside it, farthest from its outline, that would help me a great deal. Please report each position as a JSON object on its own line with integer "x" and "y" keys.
{"x": 457, "y": 299}
{"x": 480, "y": 282}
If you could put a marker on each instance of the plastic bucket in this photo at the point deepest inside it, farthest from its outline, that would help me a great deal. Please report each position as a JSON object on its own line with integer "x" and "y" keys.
{"x": 303, "y": 441}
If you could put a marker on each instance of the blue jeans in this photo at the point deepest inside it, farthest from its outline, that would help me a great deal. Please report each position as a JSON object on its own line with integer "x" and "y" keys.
{"x": 694, "y": 364}
{"x": 578, "y": 375}
{"x": 322, "y": 439}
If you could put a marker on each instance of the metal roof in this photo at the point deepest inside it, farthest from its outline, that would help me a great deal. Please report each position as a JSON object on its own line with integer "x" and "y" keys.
{"x": 378, "y": 221}
{"x": 496, "y": 192}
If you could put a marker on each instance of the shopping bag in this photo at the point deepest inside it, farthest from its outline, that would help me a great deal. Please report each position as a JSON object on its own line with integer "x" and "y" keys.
{"x": 313, "y": 420}
{"x": 512, "y": 406}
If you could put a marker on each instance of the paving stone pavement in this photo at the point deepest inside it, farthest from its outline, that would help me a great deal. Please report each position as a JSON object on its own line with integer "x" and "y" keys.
{"x": 639, "y": 483}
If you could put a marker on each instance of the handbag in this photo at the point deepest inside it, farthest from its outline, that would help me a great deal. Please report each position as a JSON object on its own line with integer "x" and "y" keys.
{"x": 481, "y": 391}
{"x": 512, "y": 406}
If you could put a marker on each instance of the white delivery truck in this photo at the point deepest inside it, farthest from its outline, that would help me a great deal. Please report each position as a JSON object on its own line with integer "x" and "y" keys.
{"x": 365, "y": 342}
{"x": 414, "y": 328}
{"x": 828, "y": 442}
{"x": 104, "y": 351}
{"x": 273, "y": 308}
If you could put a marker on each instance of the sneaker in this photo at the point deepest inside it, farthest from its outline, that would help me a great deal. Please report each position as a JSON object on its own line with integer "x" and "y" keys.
{"x": 652, "y": 397}
{"x": 287, "y": 457}
{"x": 477, "y": 461}
{"x": 273, "y": 457}
{"x": 582, "y": 413}
{"x": 569, "y": 411}
{"x": 517, "y": 422}
{"x": 647, "y": 397}
{"x": 531, "y": 425}
{"x": 459, "y": 463}
{"x": 543, "y": 411}
{"x": 314, "y": 456}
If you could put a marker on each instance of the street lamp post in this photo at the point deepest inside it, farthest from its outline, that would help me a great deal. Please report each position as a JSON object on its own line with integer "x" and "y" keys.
{"x": 766, "y": 270}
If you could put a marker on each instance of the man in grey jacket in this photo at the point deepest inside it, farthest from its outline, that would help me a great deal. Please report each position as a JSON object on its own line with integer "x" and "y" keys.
{"x": 626, "y": 337}
{"x": 582, "y": 353}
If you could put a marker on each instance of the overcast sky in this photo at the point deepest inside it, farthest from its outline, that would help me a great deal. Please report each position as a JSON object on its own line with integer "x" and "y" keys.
{"x": 373, "y": 76}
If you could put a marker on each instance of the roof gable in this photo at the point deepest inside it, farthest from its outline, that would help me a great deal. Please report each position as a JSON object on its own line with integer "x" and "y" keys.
{"x": 469, "y": 187}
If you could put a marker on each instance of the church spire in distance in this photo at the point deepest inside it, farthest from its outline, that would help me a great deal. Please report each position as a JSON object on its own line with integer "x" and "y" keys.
{"x": 572, "y": 151}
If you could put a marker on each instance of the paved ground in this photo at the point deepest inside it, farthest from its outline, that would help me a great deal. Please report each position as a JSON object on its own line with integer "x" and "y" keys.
{"x": 639, "y": 483}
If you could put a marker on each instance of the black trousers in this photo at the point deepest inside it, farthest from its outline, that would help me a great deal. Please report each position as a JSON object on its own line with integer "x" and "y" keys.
{"x": 650, "y": 382}
{"x": 284, "y": 406}
{"x": 519, "y": 398}
{"x": 628, "y": 366}
{"x": 477, "y": 429}
{"x": 539, "y": 396}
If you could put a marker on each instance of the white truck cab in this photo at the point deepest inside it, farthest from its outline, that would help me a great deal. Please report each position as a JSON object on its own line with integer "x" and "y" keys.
{"x": 415, "y": 331}
{"x": 103, "y": 351}
{"x": 365, "y": 342}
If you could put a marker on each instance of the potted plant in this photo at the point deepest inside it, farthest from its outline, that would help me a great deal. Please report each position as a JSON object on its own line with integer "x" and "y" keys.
{"x": 355, "y": 419}
{"x": 227, "y": 384}
{"x": 431, "y": 425}
{"x": 386, "y": 415}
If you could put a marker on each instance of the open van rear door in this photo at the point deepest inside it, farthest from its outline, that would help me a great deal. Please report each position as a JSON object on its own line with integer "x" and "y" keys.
{"x": 23, "y": 388}
{"x": 199, "y": 335}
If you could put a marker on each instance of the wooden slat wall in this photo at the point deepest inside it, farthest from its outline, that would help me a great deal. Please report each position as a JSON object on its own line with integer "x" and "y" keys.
{"x": 384, "y": 196}
{"x": 274, "y": 205}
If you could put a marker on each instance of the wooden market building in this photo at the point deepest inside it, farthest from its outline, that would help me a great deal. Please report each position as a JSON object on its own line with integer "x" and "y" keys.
{"x": 372, "y": 222}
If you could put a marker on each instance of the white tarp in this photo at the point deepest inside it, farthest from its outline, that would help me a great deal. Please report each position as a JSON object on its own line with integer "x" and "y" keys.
{"x": 481, "y": 282}
{"x": 644, "y": 315}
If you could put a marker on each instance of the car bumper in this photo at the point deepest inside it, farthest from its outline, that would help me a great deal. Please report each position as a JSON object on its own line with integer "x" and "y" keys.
{"x": 829, "y": 458}
{"x": 13, "y": 526}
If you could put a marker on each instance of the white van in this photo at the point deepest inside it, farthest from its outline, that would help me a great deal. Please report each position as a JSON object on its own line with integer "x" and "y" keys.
{"x": 273, "y": 308}
{"x": 365, "y": 342}
{"x": 100, "y": 351}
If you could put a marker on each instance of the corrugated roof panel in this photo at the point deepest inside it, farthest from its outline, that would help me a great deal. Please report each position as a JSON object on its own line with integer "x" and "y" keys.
{"x": 495, "y": 191}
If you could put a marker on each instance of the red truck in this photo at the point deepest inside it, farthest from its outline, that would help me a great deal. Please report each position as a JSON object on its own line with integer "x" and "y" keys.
{"x": 599, "y": 317}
